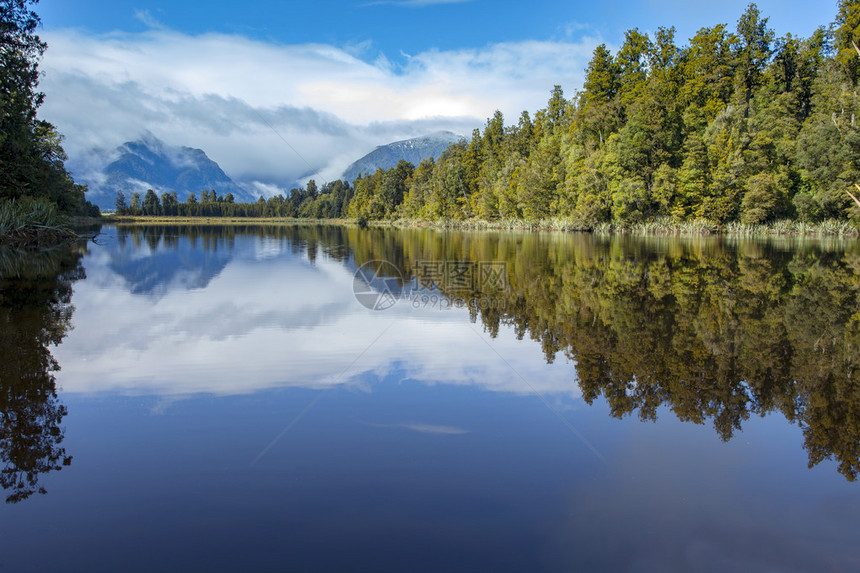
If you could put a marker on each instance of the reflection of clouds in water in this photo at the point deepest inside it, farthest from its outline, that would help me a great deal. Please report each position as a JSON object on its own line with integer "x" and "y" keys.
{"x": 424, "y": 428}
{"x": 268, "y": 248}
{"x": 278, "y": 321}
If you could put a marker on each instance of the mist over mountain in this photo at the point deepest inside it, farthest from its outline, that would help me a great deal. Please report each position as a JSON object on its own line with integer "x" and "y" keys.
{"x": 413, "y": 150}
{"x": 149, "y": 163}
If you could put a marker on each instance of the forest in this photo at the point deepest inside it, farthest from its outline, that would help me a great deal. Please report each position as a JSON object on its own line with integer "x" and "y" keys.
{"x": 736, "y": 125}
{"x": 33, "y": 178}
{"x": 310, "y": 202}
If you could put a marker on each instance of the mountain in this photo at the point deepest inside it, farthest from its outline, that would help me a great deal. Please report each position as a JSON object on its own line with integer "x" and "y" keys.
{"x": 413, "y": 150}
{"x": 149, "y": 163}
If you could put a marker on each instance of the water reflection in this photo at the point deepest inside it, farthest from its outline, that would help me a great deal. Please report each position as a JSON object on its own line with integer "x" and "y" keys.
{"x": 154, "y": 263}
{"x": 35, "y": 313}
{"x": 713, "y": 330}
{"x": 281, "y": 314}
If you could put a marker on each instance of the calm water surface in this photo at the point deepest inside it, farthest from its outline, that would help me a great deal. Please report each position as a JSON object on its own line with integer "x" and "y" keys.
{"x": 329, "y": 399}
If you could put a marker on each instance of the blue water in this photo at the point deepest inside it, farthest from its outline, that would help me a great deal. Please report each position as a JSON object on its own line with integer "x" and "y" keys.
{"x": 251, "y": 415}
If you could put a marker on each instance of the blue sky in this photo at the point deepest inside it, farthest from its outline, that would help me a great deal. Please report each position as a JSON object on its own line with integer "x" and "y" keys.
{"x": 335, "y": 78}
{"x": 419, "y": 25}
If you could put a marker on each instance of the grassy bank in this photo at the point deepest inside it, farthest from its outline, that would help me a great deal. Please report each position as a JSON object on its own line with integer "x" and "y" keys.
{"x": 657, "y": 227}
{"x": 158, "y": 220}
{"x": 33, "y": 222}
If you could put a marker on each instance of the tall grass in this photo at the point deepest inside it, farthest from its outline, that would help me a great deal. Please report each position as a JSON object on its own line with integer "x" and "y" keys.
{"x": 661, "y": 226}
{"x": 830, "y": 227}
{"x": 32, "y": 222}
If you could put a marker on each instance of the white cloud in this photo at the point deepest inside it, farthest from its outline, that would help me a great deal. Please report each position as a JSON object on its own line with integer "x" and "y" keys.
{"x": 147, "y": 19}
{"x": 236, "y": 98}
{"x": 425, "y": 428}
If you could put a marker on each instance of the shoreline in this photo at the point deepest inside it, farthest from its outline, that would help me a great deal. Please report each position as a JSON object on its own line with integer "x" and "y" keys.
{"x": 786, "y": 228}
{"x": 37, "y": 223}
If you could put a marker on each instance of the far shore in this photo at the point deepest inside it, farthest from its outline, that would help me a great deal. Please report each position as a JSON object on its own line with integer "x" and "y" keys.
{"x": 831, "y": 228}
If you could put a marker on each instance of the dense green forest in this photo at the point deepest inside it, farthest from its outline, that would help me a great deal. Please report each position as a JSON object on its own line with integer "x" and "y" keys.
{"x": 33, "y": 178}
{"x": 330, "y": 202}
{"x": 735, "y": 126}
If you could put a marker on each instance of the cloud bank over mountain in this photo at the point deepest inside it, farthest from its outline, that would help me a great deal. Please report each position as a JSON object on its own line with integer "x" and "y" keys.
{"x": 271, "y": 114}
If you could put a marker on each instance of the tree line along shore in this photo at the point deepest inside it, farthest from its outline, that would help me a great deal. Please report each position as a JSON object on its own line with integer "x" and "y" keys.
{"x": 737, "y": 130}
{"x": 37, "y": 195}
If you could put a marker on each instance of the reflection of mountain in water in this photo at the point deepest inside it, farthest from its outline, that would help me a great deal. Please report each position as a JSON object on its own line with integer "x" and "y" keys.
{"x": 155, "y": 259}
{"x": 173, "y": 261}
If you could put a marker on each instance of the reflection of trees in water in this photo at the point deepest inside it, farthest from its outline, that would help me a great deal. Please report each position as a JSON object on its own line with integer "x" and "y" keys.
{"x": 35, "y": 312}
{"x": 714, "y": 329}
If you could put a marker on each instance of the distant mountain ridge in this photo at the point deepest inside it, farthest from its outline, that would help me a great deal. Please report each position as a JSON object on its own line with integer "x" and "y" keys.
{"x": 149, "y": 163}
{"x": 413, "y": 150}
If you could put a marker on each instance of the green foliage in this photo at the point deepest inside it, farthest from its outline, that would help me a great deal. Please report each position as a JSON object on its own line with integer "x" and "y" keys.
{"x": 31, "y": 155}
{"x": 329, "y": 202}
{"x": 752, "y": 50}
{"x": 151, "y": 204}
{"x": 26, "y": 221}
{"x": 733, "y": 128}
{"x": 134, "y": 209}
{"x": 602, "y": 75}
{"x": 121, "y": 207}
{"x": 763, "y": 199}
{"x": 847, "y": 37}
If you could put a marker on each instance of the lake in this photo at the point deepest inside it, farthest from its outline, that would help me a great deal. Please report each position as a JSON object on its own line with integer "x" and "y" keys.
{"x": 322, "y": 398}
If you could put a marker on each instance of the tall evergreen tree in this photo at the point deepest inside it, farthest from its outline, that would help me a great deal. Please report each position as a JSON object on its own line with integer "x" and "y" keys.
{"x": 31, "y": 155}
